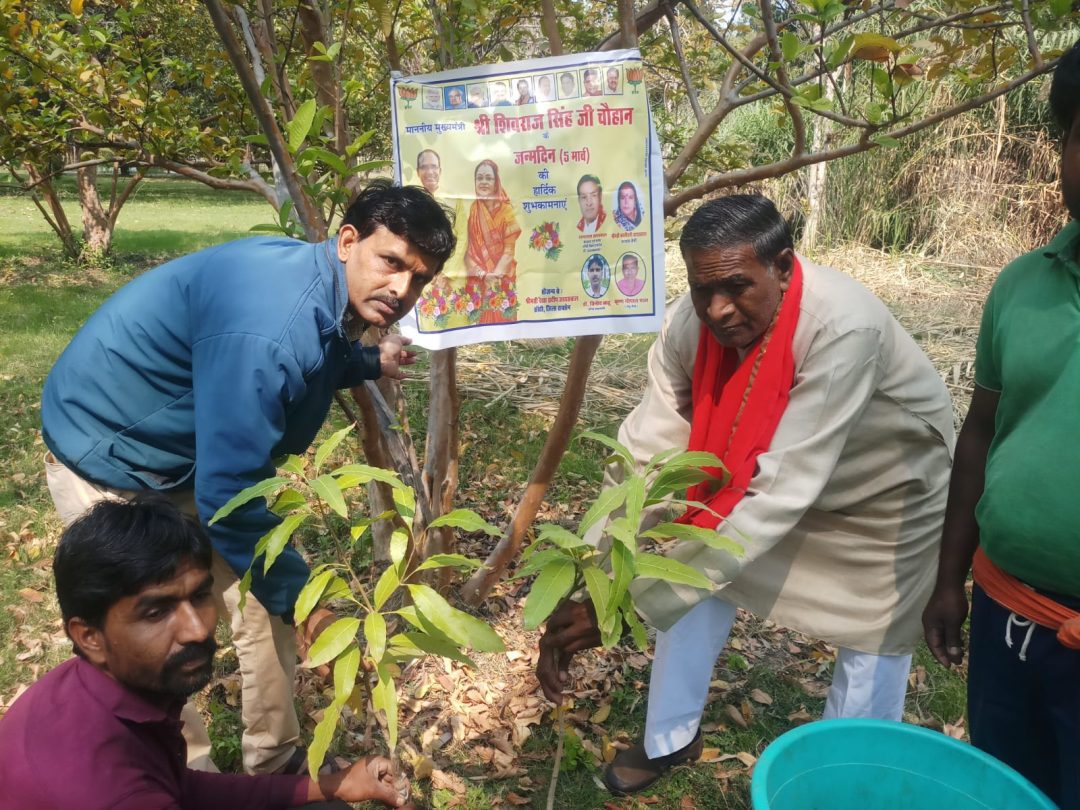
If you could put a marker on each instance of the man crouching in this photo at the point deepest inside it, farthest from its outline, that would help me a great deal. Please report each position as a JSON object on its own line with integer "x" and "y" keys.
{"x": 134, "y": 585}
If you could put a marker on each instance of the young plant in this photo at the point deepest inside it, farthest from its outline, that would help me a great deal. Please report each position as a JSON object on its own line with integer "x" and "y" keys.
{"x": 565, "y": 562}
{"x": 384, "y": 625}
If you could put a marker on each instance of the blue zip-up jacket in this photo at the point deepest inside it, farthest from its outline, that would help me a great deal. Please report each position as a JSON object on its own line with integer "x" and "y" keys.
{"x": 201, "y": 371}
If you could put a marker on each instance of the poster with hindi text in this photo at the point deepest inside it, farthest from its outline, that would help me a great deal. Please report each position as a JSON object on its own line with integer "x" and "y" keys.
{"x": 553, "y": 173}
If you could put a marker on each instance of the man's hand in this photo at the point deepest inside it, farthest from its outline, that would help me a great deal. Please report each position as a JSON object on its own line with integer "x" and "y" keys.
{"x": 571, "y": 628}
{"x": 317, "y": 621}
{"x": 942, "y": 621}
{"x": 393, "y": 355}
{"x": 367, "y": 779}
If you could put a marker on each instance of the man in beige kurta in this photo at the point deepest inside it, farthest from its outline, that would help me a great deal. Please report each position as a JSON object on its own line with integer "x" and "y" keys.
{"x": 840, "y": 523}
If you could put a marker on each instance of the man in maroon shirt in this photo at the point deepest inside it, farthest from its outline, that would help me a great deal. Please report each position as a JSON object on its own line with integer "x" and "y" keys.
{"x": 102, "y": 730}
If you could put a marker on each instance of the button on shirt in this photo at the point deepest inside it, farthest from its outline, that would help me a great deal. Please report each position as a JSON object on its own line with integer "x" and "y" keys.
{"x": 78, "y": 739}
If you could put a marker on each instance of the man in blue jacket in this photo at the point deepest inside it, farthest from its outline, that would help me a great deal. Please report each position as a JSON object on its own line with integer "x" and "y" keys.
{"x": 194, "y": 376}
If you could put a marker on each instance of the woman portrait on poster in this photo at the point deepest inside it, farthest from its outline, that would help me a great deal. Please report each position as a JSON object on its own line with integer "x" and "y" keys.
{"x": 628, "y": 210}
{"x": 493, "y": 231}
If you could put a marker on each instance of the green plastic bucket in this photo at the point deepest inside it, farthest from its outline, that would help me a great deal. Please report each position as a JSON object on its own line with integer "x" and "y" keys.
{"x": 879, "y": 765}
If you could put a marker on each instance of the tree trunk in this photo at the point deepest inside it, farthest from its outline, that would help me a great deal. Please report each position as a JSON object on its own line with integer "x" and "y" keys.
{"x": 97, "y": 231}
{"x": 440, "y": 477}
{"x": 558, "y": 438}
{"x": 816, "y": 178}
{"x": 41, "y": 187}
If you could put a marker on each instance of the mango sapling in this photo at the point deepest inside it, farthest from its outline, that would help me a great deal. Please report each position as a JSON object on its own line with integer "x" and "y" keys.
{"x": 381, "y": 627}
{"x": 604, "y": 559}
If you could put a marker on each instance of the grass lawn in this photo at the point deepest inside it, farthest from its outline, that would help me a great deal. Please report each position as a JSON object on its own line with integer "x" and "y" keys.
{"x": 508, "y": 396}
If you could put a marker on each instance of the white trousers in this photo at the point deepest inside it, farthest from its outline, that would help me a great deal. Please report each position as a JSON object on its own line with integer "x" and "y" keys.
{"x": 864, "y": 685}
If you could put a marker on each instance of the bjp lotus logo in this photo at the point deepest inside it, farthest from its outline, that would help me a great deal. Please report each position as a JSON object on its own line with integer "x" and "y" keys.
{"x": 634, "y": 76}
{"x": 408, "y": 94}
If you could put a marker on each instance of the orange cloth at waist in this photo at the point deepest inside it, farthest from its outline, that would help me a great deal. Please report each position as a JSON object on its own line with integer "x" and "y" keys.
{"x": 1011, "y": 593}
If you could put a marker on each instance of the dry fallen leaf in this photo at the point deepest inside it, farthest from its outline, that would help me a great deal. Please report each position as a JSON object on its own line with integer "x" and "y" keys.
{"x": 423, "y": 767}
{"x": 601, "y": 714}
{"x": 686, "y": 804}
{"x": 764, "y": 698}
{"x": 800, "y": 716}
{"x": 735, "y": 715}
{"x": 30, "y": 595}
{"x": 516, "y": 800}
{"x": 746, "y": 758}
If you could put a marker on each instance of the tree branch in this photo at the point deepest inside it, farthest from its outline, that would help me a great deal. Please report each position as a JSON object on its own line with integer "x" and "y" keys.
{"x": 684, "y": 68}
{"x": 754, "y": 173}
{"x": 310, "y": 217}
{"x": 549, "y": 22}
{"x": 643, "y": 21}
{"x": 797, "y": 123}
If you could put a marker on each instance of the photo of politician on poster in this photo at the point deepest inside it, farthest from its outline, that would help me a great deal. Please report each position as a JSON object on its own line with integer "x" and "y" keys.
{"x": 553, "y": 175}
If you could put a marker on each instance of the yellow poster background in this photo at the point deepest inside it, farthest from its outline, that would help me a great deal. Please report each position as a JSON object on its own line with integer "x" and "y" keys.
{"x": 546, "y": 168}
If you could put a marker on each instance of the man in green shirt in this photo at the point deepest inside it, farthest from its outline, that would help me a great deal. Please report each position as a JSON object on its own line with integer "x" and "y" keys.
{"x": 1014, "y": 510}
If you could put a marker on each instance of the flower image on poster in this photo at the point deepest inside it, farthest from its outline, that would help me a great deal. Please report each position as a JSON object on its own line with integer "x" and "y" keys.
{"x": 552, "y": 170}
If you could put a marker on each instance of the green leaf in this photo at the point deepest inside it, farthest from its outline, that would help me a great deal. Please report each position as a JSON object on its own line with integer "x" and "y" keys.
{"x": 326, "y": 488}
{"x": 697, "y": 534}
{"x": 345, "y": 669}
{"x": 551, "y": 586}
{"x": 427, "y": 643}
{"x": 637, "y": 629}
{"x": 606, "y": 502}
{"x": 635, "y": 501}
{"x": 370, "y": 166}
{"x": 694, "y": 458}
{"x": 310, "y": 595}
{"x": 258, "y": 490}
{"x": 611, "y": 443}
{"x": 332, "y": 641}
{"x": 375, "y": 633}
{"x": 459, "y": 626}
{"x": 622, "y": 571}
{"x": 399, "y": 544}
{"x": 790, "y": 45}
{"x": 286, "y": 501}
{"x": 367, "y": 473}
{"x": 468, "y": 520}
{"x": 329, "y": 158}
{"x": 539, "y": 560}
{"x": 330, "y": 445}
{"x": 283, "y": 214}
{"x": 292, "y": 463}
{"x": 405, "y": 502}
{"x": 386, "y": 585}
{"x": 279, "y": 537}
{"x": 885, "y": 140}
{"x": 837, "y": 52}
{"x": 598, "y": 585}
{"x": 660, "y": 459}
{"x": 324, "y": 735}
{"x": 384, "y": 699}
{"x": 448, "y": 560}
{"x": 557, "y": 535}
{"x": 297, "y": 129}
{"x": 244, "y": 588}
{"x": 620, "y": 529}
{"x": 653, "y": 566}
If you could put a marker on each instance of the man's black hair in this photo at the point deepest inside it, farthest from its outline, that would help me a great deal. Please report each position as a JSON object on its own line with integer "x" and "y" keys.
{"x": 407, "y": 211}
{"x": 1065, "y": 89}
{"x": 120, "y": 547}
{"x": 589, "y": 178}
{"x": 738, "y": 219}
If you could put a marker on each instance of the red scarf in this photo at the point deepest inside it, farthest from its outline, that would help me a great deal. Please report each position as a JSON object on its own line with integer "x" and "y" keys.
{"x": 722, "y": 424}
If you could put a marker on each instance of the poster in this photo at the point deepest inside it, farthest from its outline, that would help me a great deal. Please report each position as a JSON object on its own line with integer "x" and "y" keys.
{"x": 553, "y": 172}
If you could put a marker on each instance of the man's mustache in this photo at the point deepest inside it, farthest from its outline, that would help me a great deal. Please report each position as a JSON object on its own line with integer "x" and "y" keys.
{"x": 192, "y": 652}
{"x": 390, "y": 301}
